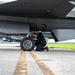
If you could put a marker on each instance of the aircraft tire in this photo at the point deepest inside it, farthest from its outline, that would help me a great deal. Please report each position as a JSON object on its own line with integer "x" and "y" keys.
{"x": 27, "y": 44}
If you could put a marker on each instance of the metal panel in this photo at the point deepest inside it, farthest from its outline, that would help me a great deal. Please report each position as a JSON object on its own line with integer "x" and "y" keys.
{"x": 14, "y": 28}
{"x": 64, "y": 34}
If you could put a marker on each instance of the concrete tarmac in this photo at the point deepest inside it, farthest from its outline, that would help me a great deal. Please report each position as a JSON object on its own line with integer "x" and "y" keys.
{"x": 53, "y": 62}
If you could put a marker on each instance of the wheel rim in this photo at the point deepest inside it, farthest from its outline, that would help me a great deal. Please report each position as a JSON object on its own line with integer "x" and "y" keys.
{"x": 27, "y": 44}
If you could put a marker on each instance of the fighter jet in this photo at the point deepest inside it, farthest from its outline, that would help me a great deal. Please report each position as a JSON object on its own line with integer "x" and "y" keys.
{"x": 22, "y": 17}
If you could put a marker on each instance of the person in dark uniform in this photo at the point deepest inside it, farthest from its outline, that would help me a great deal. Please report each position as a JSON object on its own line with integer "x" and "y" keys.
{"x": 40, "y": 42}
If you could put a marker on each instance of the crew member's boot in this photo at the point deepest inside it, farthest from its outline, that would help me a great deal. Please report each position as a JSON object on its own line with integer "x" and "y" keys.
{"x": 46, "y": 48}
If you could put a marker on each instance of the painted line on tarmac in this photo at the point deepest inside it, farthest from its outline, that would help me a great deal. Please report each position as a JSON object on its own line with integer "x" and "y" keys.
{"x": 42, "y": 66}
{"x": 21, "y": 68}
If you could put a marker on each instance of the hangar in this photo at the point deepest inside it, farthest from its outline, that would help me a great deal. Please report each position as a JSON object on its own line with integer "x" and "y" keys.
{"x": 21, "y": 17}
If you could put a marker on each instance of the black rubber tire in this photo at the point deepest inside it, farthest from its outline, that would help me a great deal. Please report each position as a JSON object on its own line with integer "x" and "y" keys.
{"x": 27, "y": 44}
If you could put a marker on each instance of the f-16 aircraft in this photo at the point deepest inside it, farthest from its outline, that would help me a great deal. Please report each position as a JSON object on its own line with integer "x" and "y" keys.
{"x": 22, "y": 17}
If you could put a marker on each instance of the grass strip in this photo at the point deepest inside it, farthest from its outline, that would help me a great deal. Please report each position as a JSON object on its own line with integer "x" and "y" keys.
{"x": 62, "y": 45}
